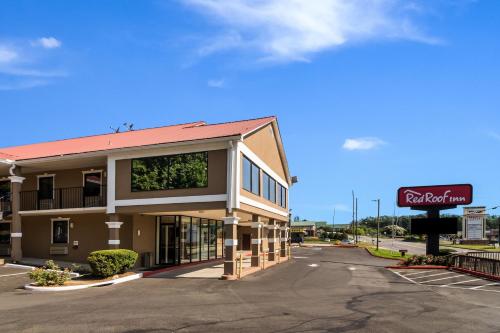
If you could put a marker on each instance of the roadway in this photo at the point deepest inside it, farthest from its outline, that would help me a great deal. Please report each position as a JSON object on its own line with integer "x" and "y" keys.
{"x": 412, "y": 247}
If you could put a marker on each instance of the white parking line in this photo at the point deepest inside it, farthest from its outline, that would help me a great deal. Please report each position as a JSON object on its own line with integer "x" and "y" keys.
{"x": 460, "y": 282}
{"x": 423, "y": 277}
{"x": 484, "y": 285}
{"x": 5, "y": 275}
{"x": 417, "y": 273}
{"x": 448, "y": 277}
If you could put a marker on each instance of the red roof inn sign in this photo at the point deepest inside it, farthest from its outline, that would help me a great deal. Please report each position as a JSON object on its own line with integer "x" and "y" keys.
{"x": 435, "y": 196}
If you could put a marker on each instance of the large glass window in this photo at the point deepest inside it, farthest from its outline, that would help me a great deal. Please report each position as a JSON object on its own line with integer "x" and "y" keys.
{"x": 213, "y": 239}
{"x": 195, "y": 237}
{"x": 185, "y": 251}
{"x": 220, "y": 239}
{"x": 60, "y": 231}
{"x": 251, "y": 176}
{"x": 278, "y": 194}
{"x": 204, "y": 240}
{"x": 272, "y": 190}
{"x": 45, "y": 187}
{"x": 92, "y": 183}
{"x": 170, "y": 172}
{"x": 283, "y": 197}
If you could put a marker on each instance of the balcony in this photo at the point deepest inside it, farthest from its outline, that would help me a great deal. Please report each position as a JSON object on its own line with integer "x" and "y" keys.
{"x": 64, "y": 198}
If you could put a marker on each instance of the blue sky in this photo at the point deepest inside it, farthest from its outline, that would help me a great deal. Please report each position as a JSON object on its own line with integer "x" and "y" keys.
{"x": 370, "y": 95}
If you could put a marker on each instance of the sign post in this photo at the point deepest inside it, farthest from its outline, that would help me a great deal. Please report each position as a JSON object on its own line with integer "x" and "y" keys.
{"x": 433, "y": 199}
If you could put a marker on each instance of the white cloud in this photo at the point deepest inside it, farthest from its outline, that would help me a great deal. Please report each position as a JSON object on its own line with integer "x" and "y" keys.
{"x": 494, "y": 135}
{"x": 7, "y": 55}
{"x": 216, "y": 83}
{"x": 292, "y": 30}
{"x": 365, "y": 143}
{"x": 47, "y": 42}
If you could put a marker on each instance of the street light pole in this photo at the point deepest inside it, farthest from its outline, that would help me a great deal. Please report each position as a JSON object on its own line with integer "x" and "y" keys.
{"x": 378, "y": 219}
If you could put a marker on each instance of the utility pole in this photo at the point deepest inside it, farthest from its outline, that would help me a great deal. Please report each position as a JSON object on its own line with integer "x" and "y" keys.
{"x": 378, "y": 219}
{"x": 333, "y": 221}
{"x": 353, "y": 209}
{"x": 356, "y": 221}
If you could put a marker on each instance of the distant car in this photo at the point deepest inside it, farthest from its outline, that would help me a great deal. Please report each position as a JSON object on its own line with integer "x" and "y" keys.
{"x": 350, "y": 241}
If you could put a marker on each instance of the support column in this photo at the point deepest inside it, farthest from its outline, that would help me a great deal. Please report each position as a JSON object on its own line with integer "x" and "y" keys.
{"x": 114, "y": 231}
{"x": 271, "y": 239}
{"x": 283, "y": 241}
{"x": 16, "y": 230}
{"x": 230, "y": 243}
{"x": 256, "y": 240}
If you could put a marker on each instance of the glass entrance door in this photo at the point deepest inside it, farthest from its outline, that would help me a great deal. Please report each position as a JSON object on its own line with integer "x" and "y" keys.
{"x": 167, "y": 248}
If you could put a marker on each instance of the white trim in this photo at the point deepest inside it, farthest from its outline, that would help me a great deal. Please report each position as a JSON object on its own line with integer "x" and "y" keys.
{"x": 272, "y": 227}
{"x": 272, "y": 240}
{"x": 114, "y": 225}
{"x": 52, "y": 229}
{"x": 251, "y": 202}
{"x": 16, "y": 234}
{"x": 284, "y": 239}
{"x": 15, "y": 179}
{"x": 257, "y": 224}
{"x": 230, "y": 220}
{"x": 261, "y": 164}
{"x": 85, "y": 286}
{"x": 238, "y": 174}
{"x": 111, "y": 166}
{"x": 84, "y": 172}
{"x": 256, "y": 241}
{"x": 230, "y": 242}
{"x": 113, "y": 242}
{"x": 63, "y": 211}
{"x": 230, "y": 177}
{"x": 53, "y": 183}
{"x": 170, "y": 200}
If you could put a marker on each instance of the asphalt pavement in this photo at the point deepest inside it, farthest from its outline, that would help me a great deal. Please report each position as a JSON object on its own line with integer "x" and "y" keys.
{"x": 319, "y": 290}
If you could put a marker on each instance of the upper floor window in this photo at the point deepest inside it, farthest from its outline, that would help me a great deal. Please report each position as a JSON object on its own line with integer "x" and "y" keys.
{"x": 269, "y": 185}
{"x": 251, "y": 176}
{"x": 282, "y": 201}
{"x": 170, "y": 172}
{"x": 5, "y": 190}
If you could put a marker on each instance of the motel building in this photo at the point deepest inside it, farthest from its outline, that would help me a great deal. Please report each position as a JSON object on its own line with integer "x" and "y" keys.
{"x": 175, "y": 194}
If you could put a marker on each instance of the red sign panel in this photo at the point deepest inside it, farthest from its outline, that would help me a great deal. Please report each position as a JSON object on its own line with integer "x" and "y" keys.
{"x": 440, "y": 195}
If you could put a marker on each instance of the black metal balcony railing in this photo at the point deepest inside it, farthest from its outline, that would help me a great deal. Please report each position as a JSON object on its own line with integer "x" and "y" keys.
{"x": 63, "y": 198}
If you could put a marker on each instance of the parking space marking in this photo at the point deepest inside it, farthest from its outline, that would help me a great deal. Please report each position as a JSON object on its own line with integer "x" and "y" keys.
{"x": 448, "y": 277}
{"x": 426, "y": 276}
{"x": 459, "y": 282}
{"x": 453, "y": 285}
{"x": 486, "y": 285}
{"x": 411, "y": 274}
{"x": 5, "y": 275}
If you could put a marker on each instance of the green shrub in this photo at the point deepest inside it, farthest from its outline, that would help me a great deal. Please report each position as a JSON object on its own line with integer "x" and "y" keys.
{"x": 105, "y": 263}
{"x": 49, "y": 275}
{"x": 426, "y": 260}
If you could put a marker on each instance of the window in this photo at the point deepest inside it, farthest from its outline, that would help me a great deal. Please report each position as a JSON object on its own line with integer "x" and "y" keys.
{"x": 5, "y": 190}
{"x": 251, "y": 176}
{"x": 265, "y": 185}
{"x": 5, "y": 233}
{"x": 283, "y": 197}
{"x": 92, "y": 182}
{"x": 60, "y": 231}
{"x": 278, "y": 195}
{"x": 170, "y": 172}
{"x": 272, "y": 190}
{"x": 45, "y": 187}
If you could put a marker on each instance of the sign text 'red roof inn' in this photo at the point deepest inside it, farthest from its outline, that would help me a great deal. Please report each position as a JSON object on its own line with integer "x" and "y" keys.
{"x": 440, "y": 195}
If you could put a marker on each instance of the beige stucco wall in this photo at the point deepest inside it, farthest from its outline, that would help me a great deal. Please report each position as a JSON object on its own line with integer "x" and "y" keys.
{"x": 62, "y": 179}
{"x": 146, "y": 242}
{"x": 217, "y": 179}
{"x": 263, "y": 144}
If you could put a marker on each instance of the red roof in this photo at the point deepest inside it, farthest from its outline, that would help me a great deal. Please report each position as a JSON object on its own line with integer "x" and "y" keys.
{"x": 137, "y": 138}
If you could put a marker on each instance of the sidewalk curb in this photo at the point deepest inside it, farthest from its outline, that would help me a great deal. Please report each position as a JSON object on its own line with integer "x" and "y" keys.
{"x": 19, "y": 266}
{"x": 381, "y": 257}
{"x": 84, "y": 286}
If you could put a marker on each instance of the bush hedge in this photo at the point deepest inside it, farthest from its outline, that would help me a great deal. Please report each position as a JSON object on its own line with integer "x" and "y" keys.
{"x": 427, "y": 260}
{"x": 49, "y": 275}
{"x": 105, "y": 263}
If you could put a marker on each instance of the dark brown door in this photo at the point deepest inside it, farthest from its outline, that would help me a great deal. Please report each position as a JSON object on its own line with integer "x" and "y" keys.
{"x": 246, "y": 242}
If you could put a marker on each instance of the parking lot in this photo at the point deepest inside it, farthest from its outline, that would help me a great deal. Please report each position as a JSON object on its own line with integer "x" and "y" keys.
{"x": 448, "y": 279}
{"x": 12, "y": 278}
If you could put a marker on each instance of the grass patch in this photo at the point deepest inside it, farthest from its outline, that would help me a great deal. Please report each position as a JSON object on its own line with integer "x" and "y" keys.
{"x": 488, "y": 248}
{"x": 387, "y": 254}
